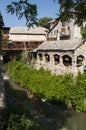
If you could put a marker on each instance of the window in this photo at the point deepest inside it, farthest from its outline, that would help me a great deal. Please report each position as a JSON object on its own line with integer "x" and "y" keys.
{"x": 56, "y": 59}
{"x": 68, "y": 28}
{"x": 54, "y": 32}
{"x": 40, "y": 56}
{"x": 63, "y": 30}
{"x": 67, "y": 60}
{"x": 35, "y": 55}
{"x": 79, "y": 60}
{"x": 47, "y": 58}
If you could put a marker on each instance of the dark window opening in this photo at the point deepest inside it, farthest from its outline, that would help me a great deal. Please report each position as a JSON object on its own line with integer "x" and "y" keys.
{"x": 40, "y": 56}
{"x": 79, "y": 60}
{"x": 47, "y": 58}
{"x": 67, "y": 60}
{"x": 68, "y": 28}
{"x": 35, "y": 55}
{"x": 56, "y": 59}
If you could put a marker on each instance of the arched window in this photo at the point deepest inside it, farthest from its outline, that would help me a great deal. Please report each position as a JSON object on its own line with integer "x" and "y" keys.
{"x": 56, "y": 59}
{"x": 79, "y": 60}
{"x": 47, "y": 58}
{"x": 40, "y": 56}
{"x": 67, "y": 60}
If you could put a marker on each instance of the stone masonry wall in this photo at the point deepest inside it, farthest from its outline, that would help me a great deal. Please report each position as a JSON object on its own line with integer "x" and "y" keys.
{"x": 2, "y": 89}
{"x": 60, "y": 68}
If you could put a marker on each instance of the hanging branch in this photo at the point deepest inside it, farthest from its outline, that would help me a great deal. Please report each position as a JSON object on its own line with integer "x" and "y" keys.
{"x": 23, "y": 8}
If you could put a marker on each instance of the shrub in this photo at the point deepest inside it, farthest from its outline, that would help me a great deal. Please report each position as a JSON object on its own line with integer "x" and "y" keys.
{"x": 61, "y": 88}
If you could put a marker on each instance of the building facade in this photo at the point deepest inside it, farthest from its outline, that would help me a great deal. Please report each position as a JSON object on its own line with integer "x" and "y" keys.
{"x": 29, "y": 38}
{"x": 64, "y": 30}
{"x": 62, "y": 57}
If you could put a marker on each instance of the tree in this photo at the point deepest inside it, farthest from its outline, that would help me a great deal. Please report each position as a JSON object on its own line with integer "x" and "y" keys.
{"x": 23, "y": 8}
{"x": 68, "y": 9}
{"x": 72, "y": 8}
{"x": 1, "y": 25}
{"x": 44, "y": 22}
{"x": 83, "y": 32}
{"x": 1, "y": 20}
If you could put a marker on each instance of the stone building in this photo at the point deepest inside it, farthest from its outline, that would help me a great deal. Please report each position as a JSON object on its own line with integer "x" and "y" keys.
{"x": 23, "y": 39}
{"x": 64, "y": 30}
{"x": 29, "y": 38}
{"x": 61, "y": 57}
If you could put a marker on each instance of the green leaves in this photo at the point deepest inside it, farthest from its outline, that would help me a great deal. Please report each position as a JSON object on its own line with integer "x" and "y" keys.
{"x": 1, "y": 21}
{"x": 72, "y": 9}
{"x": 23, "y": 8}
{"x": 44, "y": 22}
{"x": 61, "y": 88}
{"x": 21, "y": 122}
{"x": 83, "y": 32}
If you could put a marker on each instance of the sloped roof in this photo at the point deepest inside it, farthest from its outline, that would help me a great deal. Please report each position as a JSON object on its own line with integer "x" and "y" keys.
{"x": 26, "y": 30}
{"x": 60, "y": 45}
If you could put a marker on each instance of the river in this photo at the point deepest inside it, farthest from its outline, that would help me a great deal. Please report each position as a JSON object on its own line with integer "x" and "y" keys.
{"x": 52, "y": 116}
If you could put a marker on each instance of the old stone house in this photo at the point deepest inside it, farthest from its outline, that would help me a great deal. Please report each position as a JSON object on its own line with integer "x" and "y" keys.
{"x": 64, "y": 51}
{"x": 20, "y": 38}
{"x": 63, "y": 56}
{"x": 23, "y": 39}
{"x": 64, "y": 30}
{"x": 26, "y": 37}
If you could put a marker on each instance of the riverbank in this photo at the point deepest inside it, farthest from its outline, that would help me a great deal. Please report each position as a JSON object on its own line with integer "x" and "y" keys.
{"x": 40, "y": 112}
{"x": 60, "y": 89}
{"x": 48, "y": 116}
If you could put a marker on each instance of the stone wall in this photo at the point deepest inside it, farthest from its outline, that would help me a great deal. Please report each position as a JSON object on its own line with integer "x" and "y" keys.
{"x": 74, "y": 30}
{"x": 2, "y": 89}
{"x": 2, "y": 98}
{"x": 55, "y": 68}
{"x": 60, "y": 68}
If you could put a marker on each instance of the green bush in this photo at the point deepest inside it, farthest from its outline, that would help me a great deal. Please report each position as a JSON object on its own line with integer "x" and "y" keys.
{"x": 62, "y": 88}
{"x": 21, "y": 122}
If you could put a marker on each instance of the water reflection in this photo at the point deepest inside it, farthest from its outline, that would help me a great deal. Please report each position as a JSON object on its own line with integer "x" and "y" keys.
{"x": 49, "y": 116}
{"x": 77, "y": 121}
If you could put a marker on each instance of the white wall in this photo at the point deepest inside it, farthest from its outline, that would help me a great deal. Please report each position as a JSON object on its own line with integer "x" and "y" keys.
{"x": 77, "y": 34}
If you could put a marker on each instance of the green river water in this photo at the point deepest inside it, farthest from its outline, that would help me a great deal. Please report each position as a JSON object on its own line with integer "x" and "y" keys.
{"x": 52, "y": 116}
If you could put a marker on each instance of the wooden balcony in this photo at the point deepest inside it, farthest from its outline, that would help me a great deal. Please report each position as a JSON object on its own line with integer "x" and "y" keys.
{"x": 20, "y": 46}
{"x": 51, "y": 39}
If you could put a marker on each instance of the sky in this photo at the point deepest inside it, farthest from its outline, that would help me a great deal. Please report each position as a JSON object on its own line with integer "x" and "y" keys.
{"x": 46, "y": 8}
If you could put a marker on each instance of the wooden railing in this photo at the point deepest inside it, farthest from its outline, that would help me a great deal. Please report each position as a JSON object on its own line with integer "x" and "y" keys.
{"x": 20, "y": 46}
